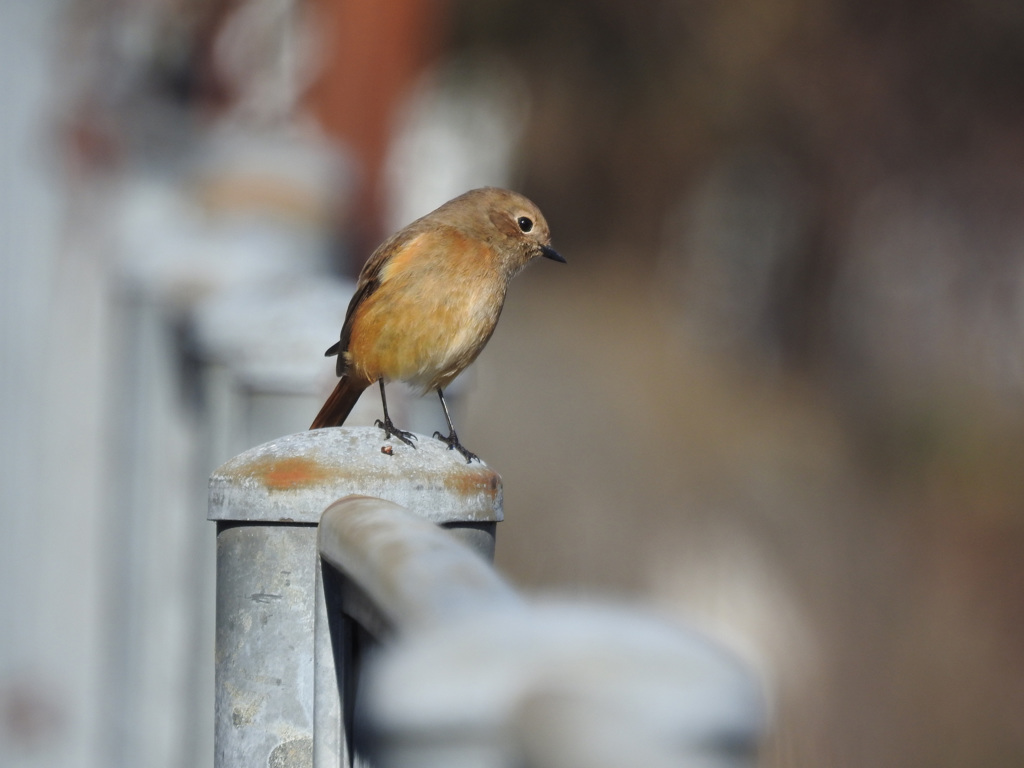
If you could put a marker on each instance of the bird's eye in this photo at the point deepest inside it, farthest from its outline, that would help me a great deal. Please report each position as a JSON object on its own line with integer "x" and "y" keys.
{"x": 524, "y": 223}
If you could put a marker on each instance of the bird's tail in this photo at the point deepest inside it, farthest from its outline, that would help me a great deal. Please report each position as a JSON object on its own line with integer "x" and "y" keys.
{"x": 339, "y": 404}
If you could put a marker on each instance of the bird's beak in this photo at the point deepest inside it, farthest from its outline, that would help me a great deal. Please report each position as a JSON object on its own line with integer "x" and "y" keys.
{"x": 550, "y": 253}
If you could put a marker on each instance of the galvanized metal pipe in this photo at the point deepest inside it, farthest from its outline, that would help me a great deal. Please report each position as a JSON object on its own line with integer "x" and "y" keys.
{"x": 560, "y": 684}
{"x": 281, "y": 624}
{"x": 478, "y": 676}
{"x": 412, "y": 572}
{"x": 472, "y": 675}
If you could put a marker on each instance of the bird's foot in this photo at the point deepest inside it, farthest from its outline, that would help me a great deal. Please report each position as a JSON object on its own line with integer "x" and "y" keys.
{"x": 452, "y": 441}
{"x": 390, "y": 430}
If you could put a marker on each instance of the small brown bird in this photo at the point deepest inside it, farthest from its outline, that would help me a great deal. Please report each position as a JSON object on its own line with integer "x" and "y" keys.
{"x": 428, "y": 299}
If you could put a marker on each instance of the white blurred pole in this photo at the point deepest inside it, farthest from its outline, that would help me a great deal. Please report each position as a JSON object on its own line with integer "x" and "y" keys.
{"x": 51, "y": 322}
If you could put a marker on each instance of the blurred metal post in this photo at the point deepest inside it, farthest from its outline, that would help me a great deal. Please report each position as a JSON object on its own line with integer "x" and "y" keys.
{"x": 162, "y": 568}
{"x": 476, "y": 676}
{"x": 277, "y": 691}
{"x": 262, "y": 349}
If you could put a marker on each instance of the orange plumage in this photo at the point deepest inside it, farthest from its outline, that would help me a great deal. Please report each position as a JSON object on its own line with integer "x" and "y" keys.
{"x": 429, "y": 297}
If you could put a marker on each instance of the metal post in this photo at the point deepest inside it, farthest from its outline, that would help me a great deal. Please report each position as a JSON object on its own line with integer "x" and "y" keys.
{"x": 402, "y": 572}
{"x": 277, "y": 700}
{"x": 558, "y": 683}
{"x": 476, "y": 675}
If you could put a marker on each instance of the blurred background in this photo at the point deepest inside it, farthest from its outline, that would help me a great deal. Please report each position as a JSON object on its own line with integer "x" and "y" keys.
{"x": 775, "y": 392}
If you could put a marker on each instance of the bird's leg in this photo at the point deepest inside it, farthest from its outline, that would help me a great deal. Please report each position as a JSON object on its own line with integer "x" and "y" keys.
{"x": 390, "y": 430}
{"x": 452, "y": 441}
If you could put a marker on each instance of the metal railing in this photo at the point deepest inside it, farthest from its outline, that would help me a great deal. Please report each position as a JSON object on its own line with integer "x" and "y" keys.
{"x": 379, "y": 633}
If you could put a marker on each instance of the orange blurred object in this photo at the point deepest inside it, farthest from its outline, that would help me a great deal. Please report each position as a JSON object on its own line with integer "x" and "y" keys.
{"x": 370, "y": 53}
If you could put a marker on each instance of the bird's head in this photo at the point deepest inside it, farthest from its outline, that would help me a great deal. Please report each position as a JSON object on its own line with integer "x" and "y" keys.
{"x": 512, "y": 224}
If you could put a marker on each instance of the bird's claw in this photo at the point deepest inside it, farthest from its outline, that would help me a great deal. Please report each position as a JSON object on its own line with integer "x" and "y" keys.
{"x": 452, "y": 441}
{"x": 390, "y": 430}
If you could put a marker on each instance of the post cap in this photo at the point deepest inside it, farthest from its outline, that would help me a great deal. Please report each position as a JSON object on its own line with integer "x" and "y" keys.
{"x": 295, "y": 478}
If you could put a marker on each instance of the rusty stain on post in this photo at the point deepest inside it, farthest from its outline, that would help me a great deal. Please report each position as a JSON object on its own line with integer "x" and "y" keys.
{"x": 294, "y": 472}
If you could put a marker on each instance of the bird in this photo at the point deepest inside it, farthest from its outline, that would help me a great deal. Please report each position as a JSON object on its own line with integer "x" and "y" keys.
{"x": 428, "y": 299}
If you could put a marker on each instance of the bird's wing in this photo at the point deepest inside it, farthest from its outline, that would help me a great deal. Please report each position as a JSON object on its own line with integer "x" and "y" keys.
{"x": 369, "y": 281}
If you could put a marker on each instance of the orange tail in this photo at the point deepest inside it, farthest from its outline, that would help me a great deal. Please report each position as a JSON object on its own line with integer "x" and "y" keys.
{"x": 339, "y": 404}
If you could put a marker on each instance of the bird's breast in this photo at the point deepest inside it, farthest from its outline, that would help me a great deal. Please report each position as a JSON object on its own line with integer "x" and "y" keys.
{"x": 424, "y": 326}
